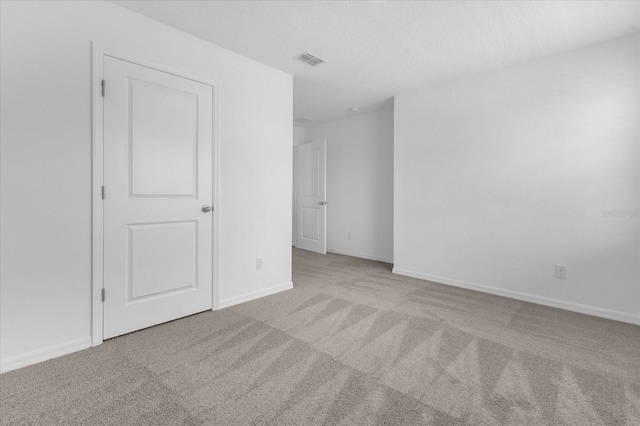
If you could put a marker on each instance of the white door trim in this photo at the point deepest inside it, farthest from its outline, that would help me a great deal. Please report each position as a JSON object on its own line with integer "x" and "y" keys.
{"x": 97, "y": 219}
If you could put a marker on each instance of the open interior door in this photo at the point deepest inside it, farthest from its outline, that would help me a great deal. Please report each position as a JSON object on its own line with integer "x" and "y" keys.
{"x": 312, "y": 197}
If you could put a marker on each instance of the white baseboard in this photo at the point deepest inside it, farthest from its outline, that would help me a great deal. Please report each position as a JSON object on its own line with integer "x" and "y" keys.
{"x": 361, "y": 255}
{"x": 39, "y": 355}
{"x": 540, "y": 300}
{"x": 235, "y": 300}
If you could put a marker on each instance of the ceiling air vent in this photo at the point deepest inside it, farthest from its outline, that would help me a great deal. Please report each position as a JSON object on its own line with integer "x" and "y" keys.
{"x": 303, "y": 120}
{"x": 310, "y": 59}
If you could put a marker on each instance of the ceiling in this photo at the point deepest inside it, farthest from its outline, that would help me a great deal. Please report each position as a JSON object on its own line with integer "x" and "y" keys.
{"x": 378, "y": 49}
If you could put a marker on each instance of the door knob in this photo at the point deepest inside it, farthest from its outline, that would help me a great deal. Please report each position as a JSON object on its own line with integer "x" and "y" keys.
{"x": 207, "y": 209}
{"x": 323, "y": 203}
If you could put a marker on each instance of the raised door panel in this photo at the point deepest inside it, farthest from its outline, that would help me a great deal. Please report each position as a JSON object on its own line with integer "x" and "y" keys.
{"x": 163, "y": 141}
{"x": 162, "y": 259}
{"x": 311, "y": 224}
{"x": 310, "y": 167}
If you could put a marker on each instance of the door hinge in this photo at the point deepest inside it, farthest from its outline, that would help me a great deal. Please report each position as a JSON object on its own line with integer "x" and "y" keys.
{"x": 103, "y": 192}
{"x": 103, "y": 293}
{"x": 102, "y": 86}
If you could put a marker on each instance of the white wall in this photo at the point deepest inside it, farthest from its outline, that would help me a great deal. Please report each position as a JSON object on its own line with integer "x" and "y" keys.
{"x": 359, "y": 184}
{"x": 46, "y": 165}
{"x": 502, "y": 175}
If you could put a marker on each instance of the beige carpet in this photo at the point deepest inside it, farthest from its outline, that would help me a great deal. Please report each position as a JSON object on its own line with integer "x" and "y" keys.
{"x": 351, "y": 344}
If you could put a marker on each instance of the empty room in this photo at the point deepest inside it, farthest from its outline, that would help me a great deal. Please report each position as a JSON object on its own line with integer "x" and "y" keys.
{"x": 397, "y": 213}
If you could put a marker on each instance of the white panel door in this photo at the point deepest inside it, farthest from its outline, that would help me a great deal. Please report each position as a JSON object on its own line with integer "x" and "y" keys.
{"x": 312, "y": 193}
{"x": 158, "y": 160}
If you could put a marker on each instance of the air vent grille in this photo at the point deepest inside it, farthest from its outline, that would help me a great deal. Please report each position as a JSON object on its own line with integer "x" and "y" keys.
{"x": 310, "y": 59}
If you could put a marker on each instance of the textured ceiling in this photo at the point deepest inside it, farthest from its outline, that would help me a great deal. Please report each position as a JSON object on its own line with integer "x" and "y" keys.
{"x": 379, "y": 49}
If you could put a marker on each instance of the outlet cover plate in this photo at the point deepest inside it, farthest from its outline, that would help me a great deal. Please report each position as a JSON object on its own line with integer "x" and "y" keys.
{"x": 561, "y": 272}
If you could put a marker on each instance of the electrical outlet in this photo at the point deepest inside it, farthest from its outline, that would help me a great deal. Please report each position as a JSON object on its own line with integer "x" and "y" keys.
{"x": 348, "y": 235}
{"x": 258, "y": 263}
{"x": 561, "y": 272}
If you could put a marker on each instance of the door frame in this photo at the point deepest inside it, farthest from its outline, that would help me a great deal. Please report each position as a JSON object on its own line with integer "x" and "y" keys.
{"x": 97, "y": 143}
